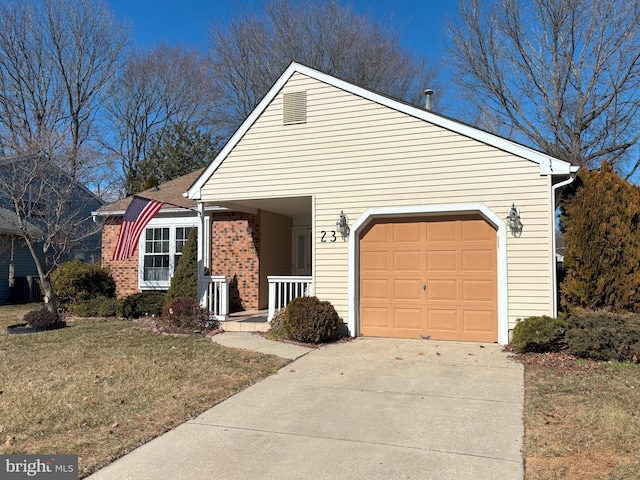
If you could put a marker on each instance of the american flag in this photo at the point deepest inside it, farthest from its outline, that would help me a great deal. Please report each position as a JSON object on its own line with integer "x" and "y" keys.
{"x": 138, "y": 214}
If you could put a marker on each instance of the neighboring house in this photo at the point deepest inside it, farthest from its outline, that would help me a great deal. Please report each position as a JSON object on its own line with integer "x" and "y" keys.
{"x": 428, "y": 252}
{"x": 18, "y": 273}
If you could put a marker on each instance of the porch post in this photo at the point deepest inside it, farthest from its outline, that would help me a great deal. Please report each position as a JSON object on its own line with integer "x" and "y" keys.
{"x": 202, "y": 286}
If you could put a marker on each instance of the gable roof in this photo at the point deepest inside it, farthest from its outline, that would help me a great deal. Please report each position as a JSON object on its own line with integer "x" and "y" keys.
{"x": 5, "y": 161}
{"x": 170, "y": 192}
{"x": 10, "y": 224}
{"x": 548, "y": 164}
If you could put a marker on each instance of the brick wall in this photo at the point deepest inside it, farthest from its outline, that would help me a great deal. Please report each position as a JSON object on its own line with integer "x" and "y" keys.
{"x": 234, "y": 254}
{"x": 125, "y": 272}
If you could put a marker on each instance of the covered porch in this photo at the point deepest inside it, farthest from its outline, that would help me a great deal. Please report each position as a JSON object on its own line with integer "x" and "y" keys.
{"x": 257, "y": 256}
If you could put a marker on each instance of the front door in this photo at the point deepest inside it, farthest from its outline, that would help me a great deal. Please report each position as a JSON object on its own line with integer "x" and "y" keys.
{"x": 301, "y": 251}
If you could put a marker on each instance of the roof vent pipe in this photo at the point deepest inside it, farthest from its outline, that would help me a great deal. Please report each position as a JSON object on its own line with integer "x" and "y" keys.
{"x": 428, "y": 93}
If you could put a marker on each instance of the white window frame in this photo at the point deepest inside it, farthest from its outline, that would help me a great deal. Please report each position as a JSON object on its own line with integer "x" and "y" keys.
{"x": 172, "y": 224}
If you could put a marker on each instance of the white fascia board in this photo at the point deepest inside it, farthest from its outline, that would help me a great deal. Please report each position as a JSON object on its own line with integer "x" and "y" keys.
{"x": 548, "y": 165}
{"x": 114, "y": 213}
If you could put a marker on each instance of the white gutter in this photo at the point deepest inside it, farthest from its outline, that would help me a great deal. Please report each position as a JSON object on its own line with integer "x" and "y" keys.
{"x": 554, "y": 262}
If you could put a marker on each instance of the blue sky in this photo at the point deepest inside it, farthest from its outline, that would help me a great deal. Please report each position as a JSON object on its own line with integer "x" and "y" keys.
{"x": 187, "y": 21}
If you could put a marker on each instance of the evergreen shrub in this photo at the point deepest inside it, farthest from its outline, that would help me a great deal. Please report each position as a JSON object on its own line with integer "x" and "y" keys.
{"x": 141, "y": 304}
{"x": 76, "y": 281}
{"x": 184, "y": 283}
{"x": 309, "y": 320}
{"x": 602, "y": 335}
{"x": 539, "y": 334}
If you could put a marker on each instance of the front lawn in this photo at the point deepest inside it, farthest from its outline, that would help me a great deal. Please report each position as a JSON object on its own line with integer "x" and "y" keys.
{"x": 100, "y": 388}
{"x": 582, "y": 419}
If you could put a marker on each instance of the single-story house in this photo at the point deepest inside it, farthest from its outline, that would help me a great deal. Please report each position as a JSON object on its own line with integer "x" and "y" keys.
{"x": 410, "y": 223}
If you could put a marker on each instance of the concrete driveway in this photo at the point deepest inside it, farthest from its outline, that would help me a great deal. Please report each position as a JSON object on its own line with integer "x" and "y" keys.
{"x": 365, "y": 409}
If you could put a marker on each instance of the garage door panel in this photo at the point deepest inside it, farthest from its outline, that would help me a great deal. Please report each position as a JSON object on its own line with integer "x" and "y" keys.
{"x": 407, "y": 289}
{"x": 407, "y": 318}
{"x": 472, "y": 230}
{"x": 442, "y": 290}
{"x": 375, "y": 261}
{"x": 442, "y": 320}
{"x": 374, "y": 289}
{"x": 478, "y": 291}
{"x": 407, "y": 261}
{"x": 442, "y": 261}
{"x": 478, "y": 320}
{"x": 442, "y": 231}
{"x": 455, "y": 257}
{"x": 376, "y": 316}
{"x": 478, "y": 260}
{"x": 407, "y": 233}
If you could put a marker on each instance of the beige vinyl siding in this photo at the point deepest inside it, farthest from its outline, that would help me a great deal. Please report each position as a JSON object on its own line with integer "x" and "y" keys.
{"x": 353, "y": 154}
{"x": 275, "y": 250}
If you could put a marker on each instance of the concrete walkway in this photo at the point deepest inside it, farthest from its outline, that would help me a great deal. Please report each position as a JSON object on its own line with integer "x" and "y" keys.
{"x": 365, "y": 409}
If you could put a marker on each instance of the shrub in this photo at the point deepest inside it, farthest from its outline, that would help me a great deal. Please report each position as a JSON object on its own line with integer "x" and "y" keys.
{"x": 95, "y": 307}
{"x": 539, "y": 334}
{"x": 186, "y": 313}
{"x": 43, "y": 318}
{"x": 309, "y": 320}
{"x": 76, "y": 281}
{"x": 602, "y": 335}
{"x": 276, "y": 327}
{"x": 184, "y": 283}
{"x": 141, "y": 304}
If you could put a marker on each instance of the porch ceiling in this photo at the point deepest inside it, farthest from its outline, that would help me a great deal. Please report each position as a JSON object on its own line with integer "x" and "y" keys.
{"x": 289, "y": 206}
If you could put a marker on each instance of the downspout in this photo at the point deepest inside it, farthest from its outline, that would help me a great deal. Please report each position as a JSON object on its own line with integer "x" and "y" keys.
{"x": 554, "y": 262}
{"x": 202, "y": 286}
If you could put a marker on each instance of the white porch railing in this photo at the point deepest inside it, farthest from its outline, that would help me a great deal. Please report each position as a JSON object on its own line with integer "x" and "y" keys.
{"x": 284, "y": 289}
{"x": 216, "y": 296}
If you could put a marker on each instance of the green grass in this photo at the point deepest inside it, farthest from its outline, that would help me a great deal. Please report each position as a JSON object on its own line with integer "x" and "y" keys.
{"x": 100, "y": 388}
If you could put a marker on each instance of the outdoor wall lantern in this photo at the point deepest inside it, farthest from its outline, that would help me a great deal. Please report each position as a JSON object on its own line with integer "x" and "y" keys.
{"x": 513, "y": 221}
{"x": 342, "y": 225}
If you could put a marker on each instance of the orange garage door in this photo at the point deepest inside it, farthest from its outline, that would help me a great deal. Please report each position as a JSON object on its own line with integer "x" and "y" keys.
{"x": 433, "y": 277}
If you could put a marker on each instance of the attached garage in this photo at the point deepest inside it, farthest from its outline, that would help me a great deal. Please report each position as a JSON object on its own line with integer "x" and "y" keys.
{"x": 434, "y": 277}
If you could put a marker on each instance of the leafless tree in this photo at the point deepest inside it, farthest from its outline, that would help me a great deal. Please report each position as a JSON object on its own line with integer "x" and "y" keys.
{"x": 560, "y": 75}
{"x": 252, "y": 51}
{"x": 156, "y": 87}
{"x": 56, "y": 59}
{"x": 48, "y": 210}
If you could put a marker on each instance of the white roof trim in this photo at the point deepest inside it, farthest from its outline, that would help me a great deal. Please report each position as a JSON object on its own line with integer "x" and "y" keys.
{"x": 188, "y": 211}
{"x": 548, "y": 164}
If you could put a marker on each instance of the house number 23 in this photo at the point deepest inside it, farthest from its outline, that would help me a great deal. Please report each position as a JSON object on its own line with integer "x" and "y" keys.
{"x": 328, "y": 236}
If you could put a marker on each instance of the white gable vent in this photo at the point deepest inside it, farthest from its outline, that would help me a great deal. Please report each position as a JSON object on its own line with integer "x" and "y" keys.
{"x": 294, "y": 107}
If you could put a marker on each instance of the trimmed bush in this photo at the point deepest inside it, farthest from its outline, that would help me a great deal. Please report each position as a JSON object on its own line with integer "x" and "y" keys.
{"x": 276, "y": 327}
{"x": 308, "y": 320}
{"x": 186, "y": 313}
{"x": 76, "y": 281}
{"x": 602, "y": 335}
{"x": 95, "y": 307}
{"x": 184, "y": 283}
{"x": 43, "y": 318}
{"x": 539, "y": 334}
{"x": 141, "y": 304}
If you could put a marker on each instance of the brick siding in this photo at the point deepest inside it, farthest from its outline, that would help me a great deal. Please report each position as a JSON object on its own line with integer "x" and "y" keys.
{"x": 234, "y": 254}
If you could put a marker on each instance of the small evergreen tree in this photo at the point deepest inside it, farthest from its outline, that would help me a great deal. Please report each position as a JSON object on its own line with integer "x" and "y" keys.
{"x": 600, "y": 222}
{"x": 184, "y": 283}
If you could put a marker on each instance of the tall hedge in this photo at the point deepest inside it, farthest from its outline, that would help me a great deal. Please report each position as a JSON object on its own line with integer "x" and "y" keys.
{"x": 184, "y": 283}
{"x": 600, "y": 223}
